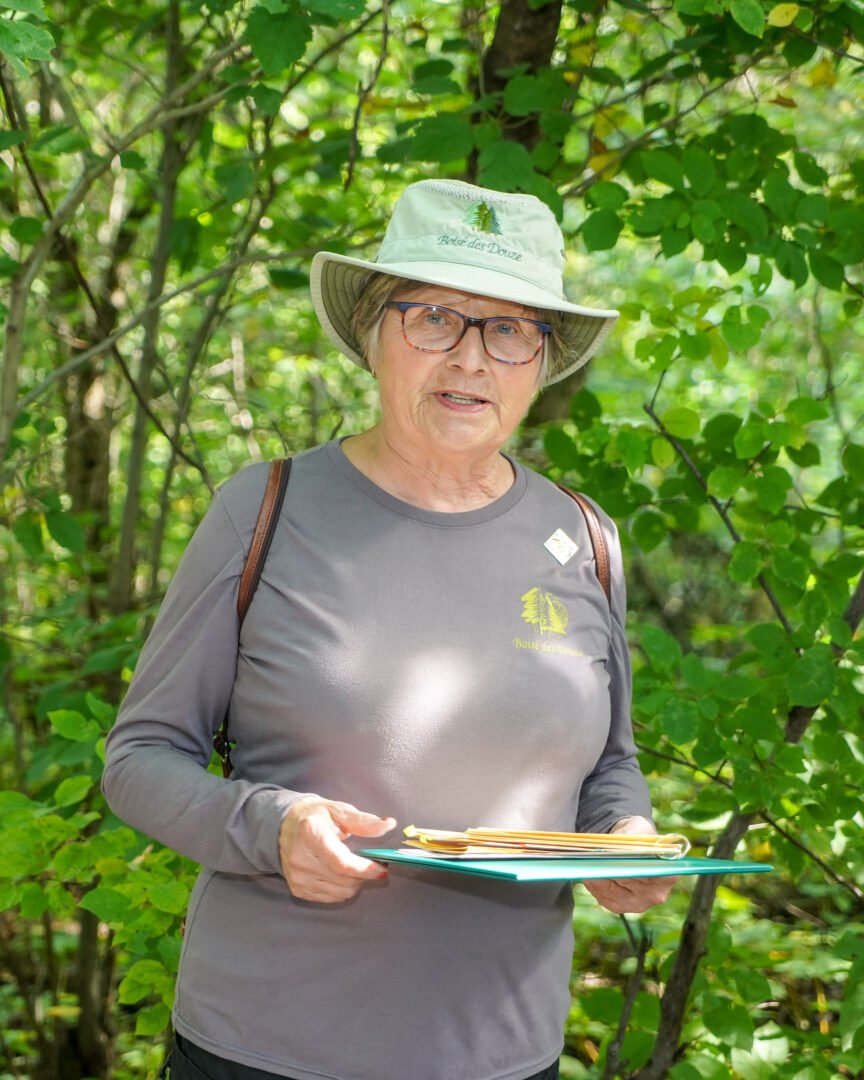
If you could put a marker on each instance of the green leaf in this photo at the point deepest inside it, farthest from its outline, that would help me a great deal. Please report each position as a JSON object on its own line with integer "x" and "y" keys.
{"x": 695, "y": 674}
{"x": 339, "y": 10}
{"x": 649, "y": 530}
{"x": 107, "y": 904}
{"x": 65, "y": 531}
{"x": 73, "y": 726}
{"x": 746, "y": 213}
{"x": 526, "y": 94}
{"x": 585, "y": 409}
{"x": 724, "y": 481}
{"x": 72, "y": 790}
{"x": 812, "y": 679}
{"x": 749, "y": 15}
{"x": 131, "y": 159}
{"x": 169, "y": 896}
{"x": 632, "y": 448}
{"x": 607, "y": 195}
{"x": 773, "y": 644}
{"x": 286, "y": 278}
{"x": 790, "y": 567}
{"x": 853, "y": 460}
{"x": 809, "y": 171}
{"x": 741, "y": 336}
{"x": 729, "y": 1022}
{"x": 680, "y": 721}
{"x": 750, "y": 439}
{"x": 26, "y": 230}
{"x": 144, "y": 978}
{"x": 601, "y": 230}
{"x": 267, "y": 100}
{"x": 21, "y": 40}
{"x": 780, "y": 196}
{"x": 561, "y": 449}
{"x": 12, "y": 138}
{"x": 444, "y": 137}
{"x": 506, "y": 166}
{"x": 28, "y": 532}
{"x": 826, "y": 270}
{"x": 235, "y": 180}
{"x": 681, "y": 422}
{"x": 31, "y": 7}
{"x": 699, "y": 169}
{"x": 745, "y": 563}
{"x": 661, "y": 648}
{"x": 111, "y": 658}
{"x": 278, "y": 40}
{"x": 663, "y": 166}
{"x": 803, "y": 410}
{"x": 153, "y": 1019}
{"x": 60, "y": 139}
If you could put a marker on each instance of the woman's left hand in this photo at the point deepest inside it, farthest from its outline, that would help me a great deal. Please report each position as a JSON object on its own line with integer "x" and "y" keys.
{"x": 627, "y": 896}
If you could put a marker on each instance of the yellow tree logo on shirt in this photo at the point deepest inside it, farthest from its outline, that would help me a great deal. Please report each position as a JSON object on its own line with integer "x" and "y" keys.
{"x": 545, "y": 611}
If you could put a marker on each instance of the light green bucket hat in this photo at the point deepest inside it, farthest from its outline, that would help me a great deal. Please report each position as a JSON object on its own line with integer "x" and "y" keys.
{"x": 446, "y": 232}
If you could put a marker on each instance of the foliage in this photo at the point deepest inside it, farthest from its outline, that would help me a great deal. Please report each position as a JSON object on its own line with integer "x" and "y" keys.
{"x": 166, "y": 171}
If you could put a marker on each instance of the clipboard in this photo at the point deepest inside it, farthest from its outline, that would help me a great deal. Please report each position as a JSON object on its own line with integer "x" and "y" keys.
{"x": 566, "y": 869}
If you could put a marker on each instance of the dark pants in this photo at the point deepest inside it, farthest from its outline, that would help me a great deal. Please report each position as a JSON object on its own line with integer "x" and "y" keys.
{"x": 190, "y": 1062}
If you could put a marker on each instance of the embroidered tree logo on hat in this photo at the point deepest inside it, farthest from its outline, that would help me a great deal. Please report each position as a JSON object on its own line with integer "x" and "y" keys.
{"x": 482, "y": 217}
{"x": 545, "y": 611}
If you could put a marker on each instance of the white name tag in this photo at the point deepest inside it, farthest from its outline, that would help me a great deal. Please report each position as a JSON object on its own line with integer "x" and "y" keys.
{"x": 561, "y": 546}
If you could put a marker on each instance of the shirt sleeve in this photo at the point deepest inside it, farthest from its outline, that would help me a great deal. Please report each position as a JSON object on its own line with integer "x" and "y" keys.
{"x": 615, "y": 788}
{"x": 157, "y": 754}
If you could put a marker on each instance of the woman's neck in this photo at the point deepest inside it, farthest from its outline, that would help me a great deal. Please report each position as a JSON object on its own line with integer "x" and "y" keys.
{"x": 449, "y": 483}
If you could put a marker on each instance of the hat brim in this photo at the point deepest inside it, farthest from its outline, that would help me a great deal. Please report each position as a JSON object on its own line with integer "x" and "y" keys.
{"x": 336, "y": 282}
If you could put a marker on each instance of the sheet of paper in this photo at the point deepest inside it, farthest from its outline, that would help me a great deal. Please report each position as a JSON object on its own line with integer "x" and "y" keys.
{"x": 564, "y": 869}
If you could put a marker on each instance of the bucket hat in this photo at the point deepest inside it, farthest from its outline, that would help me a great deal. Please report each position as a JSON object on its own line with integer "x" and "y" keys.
{"x": 447, "y": 232}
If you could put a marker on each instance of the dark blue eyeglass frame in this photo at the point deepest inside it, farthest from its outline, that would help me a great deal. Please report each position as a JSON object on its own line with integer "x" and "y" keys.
{"x": 467, "y": 322}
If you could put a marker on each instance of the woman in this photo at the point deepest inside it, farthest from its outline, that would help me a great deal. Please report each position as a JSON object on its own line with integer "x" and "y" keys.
{"x": 414, "y": 653}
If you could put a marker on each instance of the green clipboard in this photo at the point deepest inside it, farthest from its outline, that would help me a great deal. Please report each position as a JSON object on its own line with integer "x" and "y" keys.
{"x": 558, "y": 869}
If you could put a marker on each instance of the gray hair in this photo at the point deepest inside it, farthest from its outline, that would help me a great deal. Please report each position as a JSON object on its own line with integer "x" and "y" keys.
{"x": 378, "y": 288}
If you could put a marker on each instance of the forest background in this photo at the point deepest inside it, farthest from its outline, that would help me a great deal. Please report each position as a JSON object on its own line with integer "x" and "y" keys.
{"x": 167, "y": 170}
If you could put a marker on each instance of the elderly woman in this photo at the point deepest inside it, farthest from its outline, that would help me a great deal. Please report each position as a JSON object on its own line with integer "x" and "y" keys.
{"x": 416, "y": 651}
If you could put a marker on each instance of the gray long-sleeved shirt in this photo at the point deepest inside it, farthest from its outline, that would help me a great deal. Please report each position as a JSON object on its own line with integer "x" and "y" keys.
{"x": 442, "y": 668}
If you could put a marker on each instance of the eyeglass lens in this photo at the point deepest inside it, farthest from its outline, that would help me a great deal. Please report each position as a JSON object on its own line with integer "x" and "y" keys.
{"x": 515, "y": 341}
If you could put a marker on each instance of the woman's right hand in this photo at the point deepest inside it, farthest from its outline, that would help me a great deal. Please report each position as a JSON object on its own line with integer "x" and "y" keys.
{"x": 316, "y": 863}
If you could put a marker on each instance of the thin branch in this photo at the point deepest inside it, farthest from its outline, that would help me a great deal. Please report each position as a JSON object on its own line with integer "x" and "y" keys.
{"x": 136, "y": 320}
{"x": 823, "y": 866}
{"x": 717, "y": 778}
{"x": 829, "y": 48}
{"x": 613, "y": 1050}
{"x": 98, "y": 312}
{"x": 721, "y": 510}
{"x": 363, "y": 92}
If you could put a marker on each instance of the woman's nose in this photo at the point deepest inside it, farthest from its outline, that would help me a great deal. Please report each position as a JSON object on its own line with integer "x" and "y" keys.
{"x": 470, "y": 354}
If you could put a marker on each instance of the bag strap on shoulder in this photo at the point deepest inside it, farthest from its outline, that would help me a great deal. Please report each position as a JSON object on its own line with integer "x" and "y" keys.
{"x": 598, "y": 540}
{"x": 262, "y": 538}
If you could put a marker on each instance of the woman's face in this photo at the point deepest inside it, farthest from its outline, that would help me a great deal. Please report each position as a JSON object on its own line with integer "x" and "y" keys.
{"x": 458, "y": 402}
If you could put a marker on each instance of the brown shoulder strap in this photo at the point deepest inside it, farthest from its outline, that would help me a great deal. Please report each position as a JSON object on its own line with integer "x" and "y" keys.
{"x": 598, "y": 540}
{"x": 265, "y": 527}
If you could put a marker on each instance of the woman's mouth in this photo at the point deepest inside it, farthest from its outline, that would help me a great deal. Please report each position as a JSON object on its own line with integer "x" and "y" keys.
{"x": 461, "y": 401}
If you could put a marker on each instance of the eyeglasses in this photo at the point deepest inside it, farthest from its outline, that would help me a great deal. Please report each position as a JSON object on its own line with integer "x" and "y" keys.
{"x": 434, "y": 329}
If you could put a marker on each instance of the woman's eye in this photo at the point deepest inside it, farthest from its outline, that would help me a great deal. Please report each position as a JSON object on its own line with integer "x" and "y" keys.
{"x": 505, "y": 329}
{"x": 435, "y": 318}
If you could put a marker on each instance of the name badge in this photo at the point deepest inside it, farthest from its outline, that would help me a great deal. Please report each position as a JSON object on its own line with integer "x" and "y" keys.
{"x": 561, "y": 547}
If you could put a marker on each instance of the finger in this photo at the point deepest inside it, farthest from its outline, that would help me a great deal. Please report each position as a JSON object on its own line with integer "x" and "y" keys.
{"x": 359, "y": 822}
{"x": 341, "y": 860}
{"x": 326, "y": 892}
{"x": 624, "y": 896}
